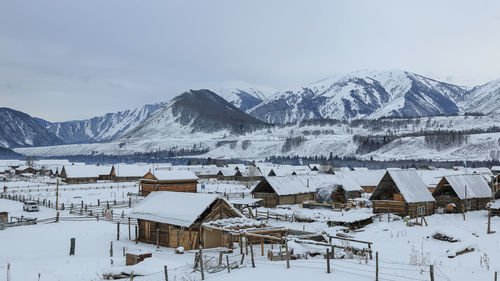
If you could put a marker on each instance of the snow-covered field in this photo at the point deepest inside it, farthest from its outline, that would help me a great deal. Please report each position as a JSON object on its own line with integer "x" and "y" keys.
{"x": 405, "y": 252}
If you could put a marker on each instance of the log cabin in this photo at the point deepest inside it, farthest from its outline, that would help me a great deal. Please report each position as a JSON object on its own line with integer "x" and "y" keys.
{"x": 458, "y": 193}
{"x": 174, "y": 219}
{"x": 86, "y": 173}
{"x": 168, "y": 180}
{"x": 402, "y": 192}
{"x": 292, "y": 190}
{"x": 131, "y": 172}
{"x": 283, "y": 190}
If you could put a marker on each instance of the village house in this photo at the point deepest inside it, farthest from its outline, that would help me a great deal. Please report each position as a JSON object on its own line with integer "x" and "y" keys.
{"x": 26, "y": 170}
{"x": 168, "y": 180}
{"x": 284, "y": 190}
{"x": 174, "y": 219}
{"x": 130, "y": 172}
{"x": 458, "y": 193}
{"x": 367, "y": 179}
{"x": 290, "y": 190}
{"x": 402, "y": 192}
{"x": 75, "y": 174}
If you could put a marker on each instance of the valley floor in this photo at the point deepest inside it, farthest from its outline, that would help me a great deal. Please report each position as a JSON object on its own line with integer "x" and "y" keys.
{"x": 405, "y": 253}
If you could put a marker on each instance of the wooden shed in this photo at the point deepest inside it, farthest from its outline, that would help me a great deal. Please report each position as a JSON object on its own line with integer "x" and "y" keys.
{"x": 284, "y": 190}
{"x": 402, "y": 192}
{"x": 168, "y": 180}
{"x": 458, "y": 193}
{"x": 173, "y": 219}
{"x": 86, "y": 173}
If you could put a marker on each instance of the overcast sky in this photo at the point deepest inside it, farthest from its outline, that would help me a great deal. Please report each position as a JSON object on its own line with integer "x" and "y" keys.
{"x": 65, "y": 59}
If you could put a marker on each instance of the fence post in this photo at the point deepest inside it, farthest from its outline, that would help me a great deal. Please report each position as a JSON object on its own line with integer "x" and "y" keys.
{"x": 376, "y": 264}
{"x": 251, "y": 252}
{"x": 118, "y": 231}
{"x": 72, "y": 247}
{"x": 57, "y": 217}
{"x": 129, "y": 234}
{"x": 262, "y": 247}
{"x": 287, "y": 255}
{"x": 431, "y": 271}
{"x": 228, "y": 267}
{"x": 166, "y": 272}
{"x": 201, "y": 264}
{"x": 489, "y": 222}
{"x": 496, "y": 275}
{"x": 220, "y": 258}
{"x": 136, "y": 238}
{"x": 111, "y": 249}
{"x": 327, "y": 260}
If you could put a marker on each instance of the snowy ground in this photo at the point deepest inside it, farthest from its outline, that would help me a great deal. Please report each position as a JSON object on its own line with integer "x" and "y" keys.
{"x": 405, "y": 252}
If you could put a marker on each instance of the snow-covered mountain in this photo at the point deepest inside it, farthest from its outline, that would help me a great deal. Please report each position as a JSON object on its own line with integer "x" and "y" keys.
{"x": 18, "y": 129}
{"x": 483, "y": 99}
{"x": 244, "y": 96}
{"x": 195, "y": 111}
{"x": 363, "y": 94}
{"x": 102, "y": 128}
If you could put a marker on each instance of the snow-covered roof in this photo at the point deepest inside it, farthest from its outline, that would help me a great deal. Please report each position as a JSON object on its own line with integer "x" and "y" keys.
{"x": 411, "y": 186}
{"x": 227, "y": 172}
{"x": 208, "y": 172}
{"x": 495, "y": 169}
{"x": 126, "y": 170}
{"x": 87, "y": 171}
{"x": 476, "y": 185}
{"x": 364, "y": 177}
{"x": 250, "y": 171}
{"x": 309, "y": 184}
{"x": 175, "y": 208}
{"x": 432, "y": 177}
{"x": 170, "y": 175}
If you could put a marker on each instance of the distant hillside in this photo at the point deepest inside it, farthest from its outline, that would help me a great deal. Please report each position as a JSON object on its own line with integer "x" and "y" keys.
{"x": 196, "y": 111}
{"x": 18, "y": 129}
{"x": 102, "y": 128}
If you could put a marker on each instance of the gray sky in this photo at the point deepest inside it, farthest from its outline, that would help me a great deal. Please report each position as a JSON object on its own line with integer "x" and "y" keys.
{"x": 68, "y": 59}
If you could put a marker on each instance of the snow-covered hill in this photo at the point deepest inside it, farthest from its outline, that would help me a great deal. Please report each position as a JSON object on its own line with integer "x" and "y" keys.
{"x": 321, "y": 138}
{"x": 102, "y": 128}
{"x": 483, "y": 99}
{"x": 195, "y": 111}
{"x": 244, "y": 96}
{"x": 18, "y": 129}
{"x": 362, "y": 94}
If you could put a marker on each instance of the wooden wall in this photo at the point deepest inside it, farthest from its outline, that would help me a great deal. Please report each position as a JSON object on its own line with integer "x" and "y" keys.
{"x": 147, "y": 188}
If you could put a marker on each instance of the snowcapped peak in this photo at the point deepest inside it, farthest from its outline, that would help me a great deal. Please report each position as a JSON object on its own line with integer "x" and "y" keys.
{"x": 362, "y": 94}
{"x": 241, "y": 94}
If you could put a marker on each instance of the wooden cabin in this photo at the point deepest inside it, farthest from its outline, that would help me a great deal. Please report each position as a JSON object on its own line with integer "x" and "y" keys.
{"x": 174, "y": 219}
{"x": 74, "y": 174}
{"x": 227, "y": 174}
{"x": 283, "y": 191}
{"x": 168, "y": 180}
{"x": 458, "y": 193}
{"x": 402, "y": 192}
{"x": 26, "y": 170}
{"x": 130, "y": 172}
